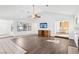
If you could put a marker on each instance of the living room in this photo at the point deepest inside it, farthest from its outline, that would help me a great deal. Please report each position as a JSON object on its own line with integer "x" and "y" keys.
{"x": 34, "y": 28}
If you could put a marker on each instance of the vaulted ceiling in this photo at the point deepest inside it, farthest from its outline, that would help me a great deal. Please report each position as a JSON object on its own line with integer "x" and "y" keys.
{"x": 23, "y": 11}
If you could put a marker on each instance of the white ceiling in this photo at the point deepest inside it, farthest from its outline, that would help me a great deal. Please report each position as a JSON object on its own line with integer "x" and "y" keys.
{"x": 23, "y": 11}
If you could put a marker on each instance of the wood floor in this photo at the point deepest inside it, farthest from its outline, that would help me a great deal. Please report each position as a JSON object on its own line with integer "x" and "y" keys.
{"x": 39, "y": 45}
{"x": 8, "y": 47}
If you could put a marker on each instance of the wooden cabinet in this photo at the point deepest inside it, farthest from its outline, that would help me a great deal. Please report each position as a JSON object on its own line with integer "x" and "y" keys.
{"x": 43, "y": 33}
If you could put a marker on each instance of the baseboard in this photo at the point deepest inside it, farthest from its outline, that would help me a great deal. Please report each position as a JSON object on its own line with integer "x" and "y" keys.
{"x": 62, "y": 37}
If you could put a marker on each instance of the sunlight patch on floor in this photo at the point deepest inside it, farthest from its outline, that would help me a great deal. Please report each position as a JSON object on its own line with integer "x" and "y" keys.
{"x": 54, "y": 41}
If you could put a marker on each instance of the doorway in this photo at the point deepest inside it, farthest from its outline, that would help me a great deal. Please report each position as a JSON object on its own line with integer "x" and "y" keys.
{"x": 62, "y": 28}
{"x": 64, "y": 25}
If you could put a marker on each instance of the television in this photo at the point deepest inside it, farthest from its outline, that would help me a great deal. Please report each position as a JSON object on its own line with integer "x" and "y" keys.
{"x": 43, "y": 25}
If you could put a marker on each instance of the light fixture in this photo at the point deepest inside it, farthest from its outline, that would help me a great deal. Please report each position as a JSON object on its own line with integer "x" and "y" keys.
{"x": 35, "y": 15}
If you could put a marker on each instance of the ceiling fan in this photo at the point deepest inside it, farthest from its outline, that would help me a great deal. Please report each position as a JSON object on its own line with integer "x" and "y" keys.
{"x": 34, "y": 15}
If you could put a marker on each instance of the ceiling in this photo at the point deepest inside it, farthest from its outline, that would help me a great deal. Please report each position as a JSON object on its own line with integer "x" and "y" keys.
{"x": 23, "y": 11}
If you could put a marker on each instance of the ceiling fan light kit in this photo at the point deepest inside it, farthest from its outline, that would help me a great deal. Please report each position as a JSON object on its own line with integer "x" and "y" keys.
{"x": 35, "y": 16}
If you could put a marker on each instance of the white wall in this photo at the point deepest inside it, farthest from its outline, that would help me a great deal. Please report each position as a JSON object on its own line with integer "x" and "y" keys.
{"x": 76, "y": 29}
{"x": 5, "y": 27}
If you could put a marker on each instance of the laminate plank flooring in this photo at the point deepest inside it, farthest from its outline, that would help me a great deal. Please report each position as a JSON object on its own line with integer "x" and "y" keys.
{"x": 39, "y": 45}
{"x": 9, "y": 47}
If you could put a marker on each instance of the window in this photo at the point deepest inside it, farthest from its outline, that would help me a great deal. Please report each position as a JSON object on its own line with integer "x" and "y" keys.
{"x": 21, "y": 26}
{"x": 43, "y": 25}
